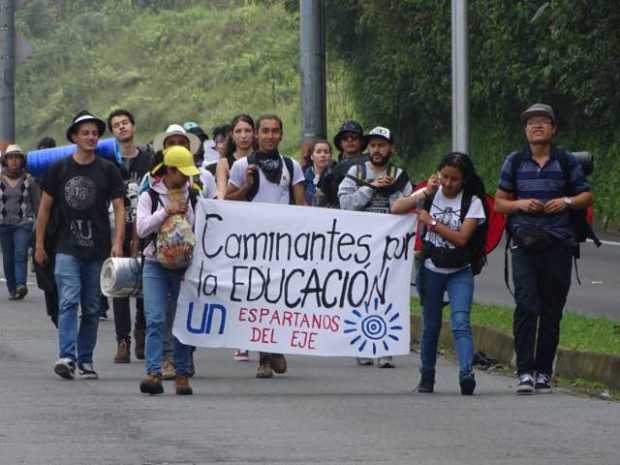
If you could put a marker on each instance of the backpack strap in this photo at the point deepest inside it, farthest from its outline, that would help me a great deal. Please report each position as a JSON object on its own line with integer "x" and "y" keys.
{"x": 291, "y": 171}
{"x": 254, "y": 188}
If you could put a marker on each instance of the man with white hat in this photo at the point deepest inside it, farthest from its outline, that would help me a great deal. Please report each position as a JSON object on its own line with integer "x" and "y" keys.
{"x": 374, "y": 186}
{"x": 80, "y": 187}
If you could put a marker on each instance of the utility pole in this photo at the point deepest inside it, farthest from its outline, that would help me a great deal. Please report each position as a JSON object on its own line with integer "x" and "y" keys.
{"x": 312, "y": 67}
{"x": 460, "y": 77}
{"x": 7, "y": 71}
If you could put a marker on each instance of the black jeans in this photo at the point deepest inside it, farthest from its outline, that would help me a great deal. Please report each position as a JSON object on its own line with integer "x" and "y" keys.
{"x": 122, "y": 316}
{"x": 541, "y": 281}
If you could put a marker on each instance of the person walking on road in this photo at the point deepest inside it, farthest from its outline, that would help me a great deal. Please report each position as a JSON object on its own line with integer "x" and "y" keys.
{"x": 266, "y": 176}
{"x": 81, "y": 186}
{"x": 135, "y": 163}
{"x": 539, "y": 188}
{"x": 19, "y": 199}
{"x": 453, "y": 215}
{"x": 373, "y": 186}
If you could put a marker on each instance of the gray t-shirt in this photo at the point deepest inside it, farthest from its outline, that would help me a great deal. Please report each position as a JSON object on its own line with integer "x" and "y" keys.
{"x": 268, "y": 192}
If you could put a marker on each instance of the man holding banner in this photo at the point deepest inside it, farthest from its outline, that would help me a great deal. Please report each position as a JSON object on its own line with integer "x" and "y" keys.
{"x": 374, "y": 186}
{"x": 267, "y": 176}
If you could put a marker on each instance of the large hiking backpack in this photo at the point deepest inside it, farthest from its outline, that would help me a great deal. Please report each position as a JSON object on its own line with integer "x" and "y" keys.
{"x": 255, "y": 185}
{"x": 582, "y": 220}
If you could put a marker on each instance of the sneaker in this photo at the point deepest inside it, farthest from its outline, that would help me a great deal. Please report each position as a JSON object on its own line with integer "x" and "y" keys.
{"x": 425, "y": 386}
{"x": 12, "y": 296}
{"x": 241, "y": 356}
{"x": 123, "y": 351}
{"x": 152, "y": 384}
{"x": 181, "y": 383}
{"x": 65, "y": 368}
{"x": 103, "y": 315}
{"x": 278, "y": 363}
{"x": 86, "y": 371}
{"x": 168, "y": 370}
{"x": 21, "y": 292}
{"x": 468, "y": 384}
{"x": 526, "y": 384}
{"x": 264, "y": 369}
{"x": 364, "y": 362}
{"x": 138, "y": 337}
{"x": 543, "y": 384}
{"x": 385, "y": 362}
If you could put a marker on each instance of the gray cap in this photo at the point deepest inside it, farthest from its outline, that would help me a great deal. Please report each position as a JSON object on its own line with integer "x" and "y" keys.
{"x": 538, "y": 109}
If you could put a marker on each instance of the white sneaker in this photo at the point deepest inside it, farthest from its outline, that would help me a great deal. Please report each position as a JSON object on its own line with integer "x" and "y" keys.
{"x": 385, "y": 362}
{"x": 364, "y": 362}
{"x": 526, "y": 384}
{"x": 241, "y": 356}
{"x": 65, "y": 368}
{"x": 543, "y": 384}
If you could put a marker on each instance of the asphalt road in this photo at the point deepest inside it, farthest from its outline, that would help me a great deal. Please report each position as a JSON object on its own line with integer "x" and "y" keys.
{"x": 599, "y": 271}
{"x": 324, "y": 411}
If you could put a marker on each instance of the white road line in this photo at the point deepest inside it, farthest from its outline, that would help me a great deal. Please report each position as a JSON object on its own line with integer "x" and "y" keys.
{"x": 607, "y": 242}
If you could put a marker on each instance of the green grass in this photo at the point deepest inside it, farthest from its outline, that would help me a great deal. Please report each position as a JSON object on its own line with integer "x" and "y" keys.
{"x": 577, "y": 332}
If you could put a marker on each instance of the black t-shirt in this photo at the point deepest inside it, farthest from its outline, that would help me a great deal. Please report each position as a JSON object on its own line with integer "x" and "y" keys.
{"x": 83, "y": 193}
{"x": 132, "y": 172}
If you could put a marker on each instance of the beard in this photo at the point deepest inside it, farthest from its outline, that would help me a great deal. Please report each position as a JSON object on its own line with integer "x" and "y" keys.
{"x": 379, "y": 160}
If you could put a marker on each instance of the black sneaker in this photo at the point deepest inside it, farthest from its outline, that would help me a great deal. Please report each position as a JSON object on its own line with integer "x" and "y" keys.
{"x": 426, "y": 385}
{"x": 526, "y": 384}
{"x": 21, "y": 292}
{"x": 87, "y": 371}
{"x": 65, "y": 368}
{"x": 468, "y": 384}
{"x": 543, "y": 384}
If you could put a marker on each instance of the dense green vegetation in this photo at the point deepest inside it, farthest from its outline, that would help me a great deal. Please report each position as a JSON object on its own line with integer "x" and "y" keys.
{"x": 388, "y": 63}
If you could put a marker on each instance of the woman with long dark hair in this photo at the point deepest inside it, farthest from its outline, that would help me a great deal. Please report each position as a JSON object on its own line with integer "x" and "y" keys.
{"x": 454, "y": 217}
{"x": 240, "y": 144}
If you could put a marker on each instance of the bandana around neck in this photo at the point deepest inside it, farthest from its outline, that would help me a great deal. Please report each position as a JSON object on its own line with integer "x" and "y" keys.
{"x": 270, "y": 164}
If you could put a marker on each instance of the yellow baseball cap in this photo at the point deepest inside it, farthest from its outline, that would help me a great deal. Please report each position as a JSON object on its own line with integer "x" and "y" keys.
{"x": 180, "y": 158}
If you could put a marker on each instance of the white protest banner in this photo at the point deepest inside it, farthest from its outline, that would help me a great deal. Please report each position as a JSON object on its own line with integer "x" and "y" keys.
{"x": 288, "y": 279}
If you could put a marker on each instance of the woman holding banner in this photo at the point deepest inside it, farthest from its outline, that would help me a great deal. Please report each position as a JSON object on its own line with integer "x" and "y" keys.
{"x": 453, "y": 215}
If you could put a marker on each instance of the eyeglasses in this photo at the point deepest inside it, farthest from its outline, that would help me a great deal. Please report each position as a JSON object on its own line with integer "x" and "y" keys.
{"x": 538, "y": 122}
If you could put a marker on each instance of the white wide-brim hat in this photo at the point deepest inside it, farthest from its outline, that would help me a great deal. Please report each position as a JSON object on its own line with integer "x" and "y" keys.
{"x": 173, "y": 129}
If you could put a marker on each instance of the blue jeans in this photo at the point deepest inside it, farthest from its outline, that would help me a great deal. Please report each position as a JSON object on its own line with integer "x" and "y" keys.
{"x": 460, "y": 287}
{"x": 78, "y": 284}
{"x": 15, "y": 240}
{"x": 161, "y": 290}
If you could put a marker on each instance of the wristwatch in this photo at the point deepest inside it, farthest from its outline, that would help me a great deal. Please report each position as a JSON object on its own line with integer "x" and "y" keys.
{"x": 568, "y": 201}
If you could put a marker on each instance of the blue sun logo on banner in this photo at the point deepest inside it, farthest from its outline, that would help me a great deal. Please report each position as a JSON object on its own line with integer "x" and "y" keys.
{"x": 373, "y": 327}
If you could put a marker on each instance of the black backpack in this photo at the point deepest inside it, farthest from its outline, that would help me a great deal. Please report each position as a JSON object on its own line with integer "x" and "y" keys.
{"x": 255, "y": 185}
{"x": 399, "y": 183}
{"x": 475, "y": 246}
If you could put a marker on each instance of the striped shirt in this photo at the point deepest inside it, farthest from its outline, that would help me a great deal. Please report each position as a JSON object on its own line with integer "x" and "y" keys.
{"x": 543, "y": 183}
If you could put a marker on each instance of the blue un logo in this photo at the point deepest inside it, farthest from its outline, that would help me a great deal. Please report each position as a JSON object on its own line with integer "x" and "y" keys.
{"x": 373, "y": 328}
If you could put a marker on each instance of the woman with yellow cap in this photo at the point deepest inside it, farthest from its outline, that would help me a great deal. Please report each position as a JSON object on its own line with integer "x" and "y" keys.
{"x": 166, "y": 205}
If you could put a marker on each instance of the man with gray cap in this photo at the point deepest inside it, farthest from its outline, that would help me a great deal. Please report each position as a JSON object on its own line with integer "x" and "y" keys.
{"x": 538, "y": 188}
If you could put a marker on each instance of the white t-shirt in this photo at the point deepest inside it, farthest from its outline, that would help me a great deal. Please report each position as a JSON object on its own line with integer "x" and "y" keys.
{"x": 268, "y": 192}
{"x": 207, "y": 180}
{"x": 448, "y": 212}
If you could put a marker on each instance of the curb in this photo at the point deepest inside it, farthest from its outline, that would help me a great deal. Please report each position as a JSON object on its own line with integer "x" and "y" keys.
{"x": 598, "y": 367}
